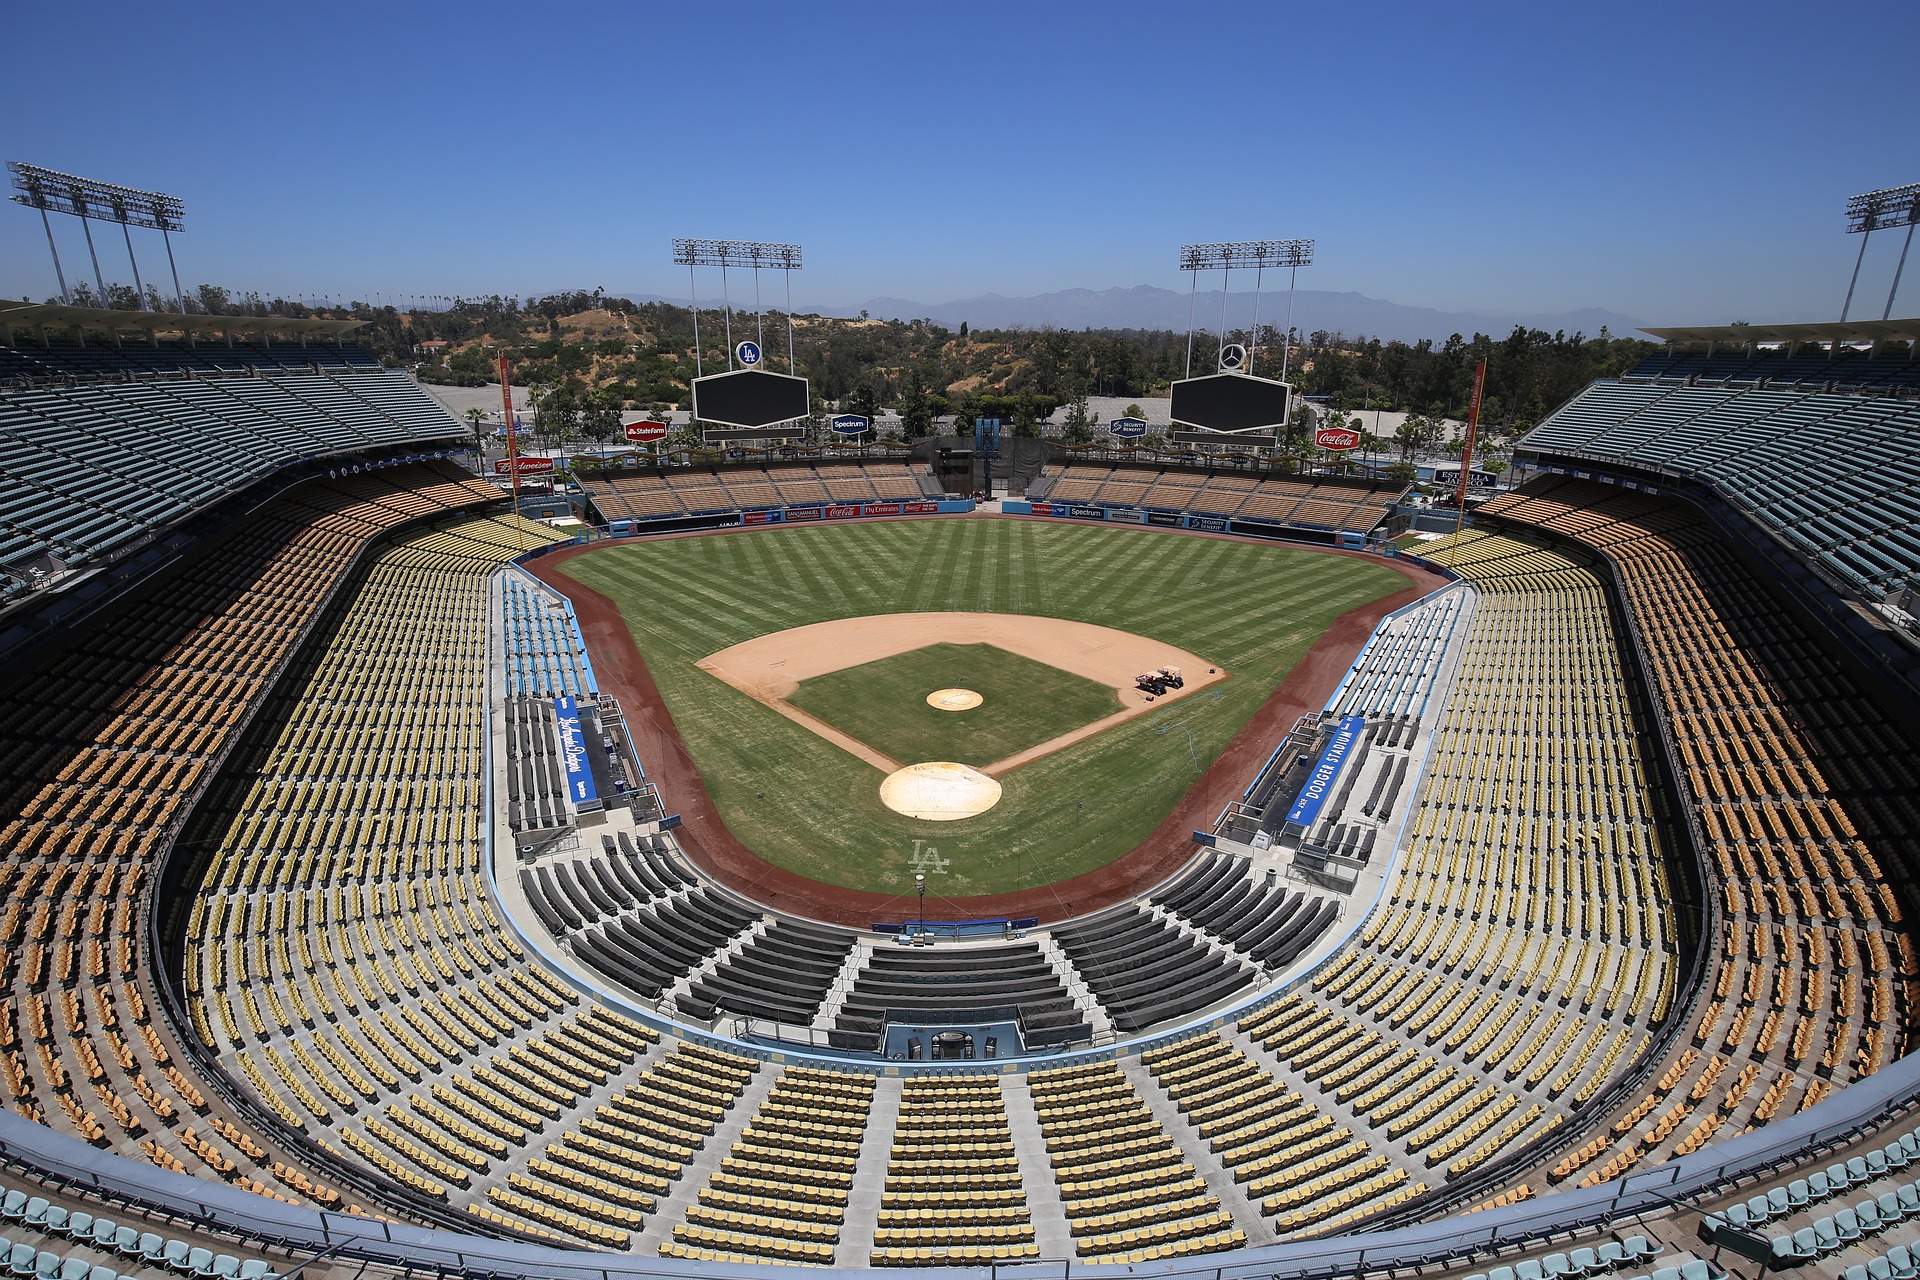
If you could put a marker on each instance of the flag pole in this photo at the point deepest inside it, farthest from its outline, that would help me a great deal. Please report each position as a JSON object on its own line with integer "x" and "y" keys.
{"x": 513, "y": 452}
{"x": 1466, "y": 459}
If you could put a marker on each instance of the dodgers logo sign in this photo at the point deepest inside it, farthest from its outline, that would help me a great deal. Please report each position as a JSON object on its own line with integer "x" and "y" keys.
{"x": 573, "y": 751}
{"x": 1320, "y": 782}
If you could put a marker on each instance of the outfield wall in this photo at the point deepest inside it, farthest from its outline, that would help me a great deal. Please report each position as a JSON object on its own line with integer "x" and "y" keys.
{"x": 1198, "y": 522}
{"x": 813, "y": 514}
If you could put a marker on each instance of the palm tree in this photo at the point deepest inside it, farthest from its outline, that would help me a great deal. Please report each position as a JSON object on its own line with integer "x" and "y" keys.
{"x": 475, "y": 417}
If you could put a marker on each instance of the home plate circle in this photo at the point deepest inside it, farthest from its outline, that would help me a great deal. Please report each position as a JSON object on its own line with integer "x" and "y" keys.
{"x": 939, "y": 791}
{"x": 954, "y": 699}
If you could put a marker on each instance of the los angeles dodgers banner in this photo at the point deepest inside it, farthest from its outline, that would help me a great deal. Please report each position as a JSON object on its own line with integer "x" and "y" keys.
{"x": 573, "y": 749}
{"x": 1320, "y": 781}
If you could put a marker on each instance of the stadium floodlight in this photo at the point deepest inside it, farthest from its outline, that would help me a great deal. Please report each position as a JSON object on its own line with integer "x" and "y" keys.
{"x": 1246, "y": 253}
{"x": 1875, "y": 211}
{"x": 49, "y": 190}
{"x": 738, "y": 253}
{"x": 690, "y": 253}
{"x": 1224, "y": 256}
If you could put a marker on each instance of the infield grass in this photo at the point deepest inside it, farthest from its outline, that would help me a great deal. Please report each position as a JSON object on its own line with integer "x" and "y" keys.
{"x": 804, "y": 804}
{"x": 884, "y": 703}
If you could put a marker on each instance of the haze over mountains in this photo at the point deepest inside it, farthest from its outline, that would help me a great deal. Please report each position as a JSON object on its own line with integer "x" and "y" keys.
{"x": 1151, "y": 307}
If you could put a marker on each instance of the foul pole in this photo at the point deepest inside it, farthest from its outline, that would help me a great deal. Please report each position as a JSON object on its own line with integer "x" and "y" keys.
{"x": 1466, "y": 458}
{"x": 513, "y": 452}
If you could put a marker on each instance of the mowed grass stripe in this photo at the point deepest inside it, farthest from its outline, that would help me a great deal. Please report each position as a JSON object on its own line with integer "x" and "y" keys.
{"x": 884, "y": 703}
{"x": 808, "y": 806}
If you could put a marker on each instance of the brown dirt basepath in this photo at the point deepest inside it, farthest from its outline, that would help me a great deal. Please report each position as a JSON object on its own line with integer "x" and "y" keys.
{"x": 623, "y": 673}
{"x": 771, "y": 668}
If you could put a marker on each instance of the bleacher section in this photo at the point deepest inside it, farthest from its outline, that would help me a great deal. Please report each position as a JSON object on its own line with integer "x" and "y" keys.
{"x": 45, "y": 1240}
{"x": 1301, "y": 503}
{"x": 1803, "y": 787}
{"x": 1146, "y": 970}
{"x": 1832, "y": 474}
{"x": 1130, "y": 1192}
{"x": 364, "y": 1031}
{"x": 1523, "y": 949}
{"x": 546, "y": 654}
{"x": 28, "y": 361}
{"x": 952, "y": 984}
{"x": 344, "y": 954}
{"x": 1815, "y": 369}
{"x": 90, "y": 467}
{"x": 105, "y": 746}
{"x": 673, "y": 492}
{"x": 1394, "y": 676}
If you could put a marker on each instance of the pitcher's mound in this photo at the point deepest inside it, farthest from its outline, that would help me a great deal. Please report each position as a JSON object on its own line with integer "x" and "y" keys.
{"x": 954, "y": 699}
{"x": 939, "y": 791}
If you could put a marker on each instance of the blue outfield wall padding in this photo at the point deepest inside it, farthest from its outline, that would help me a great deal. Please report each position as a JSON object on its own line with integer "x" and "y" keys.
{"x": 573, "y": 749}
{"x": 1320, "y": 782}
{"x": 1014, "y": 507}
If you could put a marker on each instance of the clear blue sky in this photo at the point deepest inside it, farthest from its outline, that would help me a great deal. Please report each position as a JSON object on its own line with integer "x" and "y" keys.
{"x": 1676, "y": 162}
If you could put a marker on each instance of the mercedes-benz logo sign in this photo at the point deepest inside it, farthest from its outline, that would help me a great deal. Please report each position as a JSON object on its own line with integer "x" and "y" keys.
{"x": 1233, "y": 356}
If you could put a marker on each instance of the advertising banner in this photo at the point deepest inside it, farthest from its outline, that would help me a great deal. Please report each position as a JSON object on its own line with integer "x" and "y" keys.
{"x": 573, "y": 751}
{"x": 1326, "y": 771}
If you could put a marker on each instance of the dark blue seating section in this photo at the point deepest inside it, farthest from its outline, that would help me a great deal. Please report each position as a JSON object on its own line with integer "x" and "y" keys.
{"x": 958, "y": 985}
{"x": 1814, "y": 368}
{"x": 65, "y": 360}
{"x": 86, "y": 468}
{"x": 1833, "y": 474}
{"x": 1145, "y": 970}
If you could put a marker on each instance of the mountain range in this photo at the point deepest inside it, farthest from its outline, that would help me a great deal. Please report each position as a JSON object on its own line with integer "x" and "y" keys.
{"x": 1151, "y": 307}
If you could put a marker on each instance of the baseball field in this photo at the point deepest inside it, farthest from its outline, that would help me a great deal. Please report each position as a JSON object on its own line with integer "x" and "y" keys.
{"x": 807, "y": 798}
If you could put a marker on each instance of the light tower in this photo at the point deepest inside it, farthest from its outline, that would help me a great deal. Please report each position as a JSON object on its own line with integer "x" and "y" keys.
{"x": 1866, "y": 214}
{"x": 49, "y": 190}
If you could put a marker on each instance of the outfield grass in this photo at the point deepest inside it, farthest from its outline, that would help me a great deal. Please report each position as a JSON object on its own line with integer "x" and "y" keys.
{"x": 804, "y": 804}
{"x": 884, "y": 703}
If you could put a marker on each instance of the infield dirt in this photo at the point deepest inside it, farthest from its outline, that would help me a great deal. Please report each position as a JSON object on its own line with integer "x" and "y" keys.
{"x": 769, "y": 668}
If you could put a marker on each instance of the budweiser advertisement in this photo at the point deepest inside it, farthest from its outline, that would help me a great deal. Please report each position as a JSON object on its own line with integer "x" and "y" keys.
{"x": 1337, "y": 439}
{"x": 646, "y": 432}
{"x": 527, "y": 466}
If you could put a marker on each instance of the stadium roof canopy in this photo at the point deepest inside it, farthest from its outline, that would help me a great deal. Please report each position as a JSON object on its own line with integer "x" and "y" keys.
{"x": 151, "y": 324}
{"x": 1791, "y": 335}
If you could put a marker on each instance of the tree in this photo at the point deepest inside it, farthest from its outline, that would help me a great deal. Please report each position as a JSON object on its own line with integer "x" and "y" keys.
{"x": 476, "y": 418}
{"x": 916, "y": 415}
{"x": 600, "y": 419}
{"x": 1299, "y": 423}
{"x": 1133, "y": 411}
{"x": 1079, "y": 422}
{"x": 966, "y": 407}
{"x": 556, "y": 413}
{"x": 1026, "y": 418}
{"x": 1413, "y": 434}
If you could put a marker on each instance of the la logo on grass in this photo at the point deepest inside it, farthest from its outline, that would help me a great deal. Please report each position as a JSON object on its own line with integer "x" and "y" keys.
{"x": 926, "y": 859}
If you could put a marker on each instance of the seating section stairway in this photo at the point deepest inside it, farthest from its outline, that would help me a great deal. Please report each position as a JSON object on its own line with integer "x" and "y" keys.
{"x": 1803, "y": 790}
